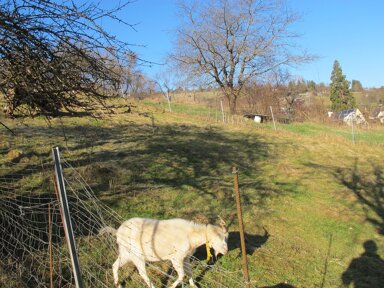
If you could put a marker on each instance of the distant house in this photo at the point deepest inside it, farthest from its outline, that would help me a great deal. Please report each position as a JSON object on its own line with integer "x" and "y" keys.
{"x": 349, "y": 116}
{"x": 378, "y": 114}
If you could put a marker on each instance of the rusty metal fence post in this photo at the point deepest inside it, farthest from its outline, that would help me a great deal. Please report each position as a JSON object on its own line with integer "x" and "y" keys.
{"x": 235, "y": 173}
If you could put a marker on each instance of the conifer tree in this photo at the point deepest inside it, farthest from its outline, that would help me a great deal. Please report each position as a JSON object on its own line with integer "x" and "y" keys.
{"x": 341, "y": 96}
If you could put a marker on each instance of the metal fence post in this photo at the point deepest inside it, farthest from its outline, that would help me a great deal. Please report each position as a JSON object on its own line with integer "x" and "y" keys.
{"x": 65, "y": 215}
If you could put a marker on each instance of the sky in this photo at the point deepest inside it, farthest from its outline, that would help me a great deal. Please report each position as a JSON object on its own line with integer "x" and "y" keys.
{"x": 351, "y": 32}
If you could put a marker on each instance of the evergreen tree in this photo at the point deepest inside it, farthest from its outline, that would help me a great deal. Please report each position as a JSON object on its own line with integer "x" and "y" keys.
{"x": 341, "y": 96}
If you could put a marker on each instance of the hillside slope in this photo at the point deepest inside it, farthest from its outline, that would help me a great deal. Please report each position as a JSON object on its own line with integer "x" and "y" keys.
{"x": 311, "y": 198}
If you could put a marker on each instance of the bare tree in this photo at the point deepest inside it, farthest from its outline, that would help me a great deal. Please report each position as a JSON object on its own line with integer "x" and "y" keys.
{"x": 55, "y": 54}
{"x": 165, "y": 81}
{"x": 232, "y": 42}
{"x": 289, "y": 91}
{"x": 259, "y": 97}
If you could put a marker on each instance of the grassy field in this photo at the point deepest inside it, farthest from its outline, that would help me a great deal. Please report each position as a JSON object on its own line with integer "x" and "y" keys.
{"x": 318, "y": 195}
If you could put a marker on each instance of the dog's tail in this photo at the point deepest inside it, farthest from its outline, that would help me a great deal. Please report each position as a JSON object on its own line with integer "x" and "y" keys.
{"x": 108, "y": 230}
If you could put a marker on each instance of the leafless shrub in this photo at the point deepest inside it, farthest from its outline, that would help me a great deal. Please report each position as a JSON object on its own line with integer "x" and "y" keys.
{"x": 55, "y": 54}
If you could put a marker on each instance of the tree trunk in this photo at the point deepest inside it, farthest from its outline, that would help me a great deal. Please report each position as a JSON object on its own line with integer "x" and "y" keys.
{"x": 232, "y": 99}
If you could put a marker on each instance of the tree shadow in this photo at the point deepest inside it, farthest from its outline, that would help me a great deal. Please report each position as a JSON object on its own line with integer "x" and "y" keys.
{"x": 280, "y": 285}
{"x": 142, "y": 158}
{"x": 369, "y": 190}
{"x": 367, "y": 184}
{"x": 176, "y": 156}
{"x": 367, "y": 270}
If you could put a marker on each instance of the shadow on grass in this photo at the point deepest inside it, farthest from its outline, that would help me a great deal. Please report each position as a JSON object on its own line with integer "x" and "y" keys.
{"x": 127, "y": 160}
{"x": 201, "y": 255}
{"x": 280, "y": 285}
{"x": 366, "y": 183}
{"x": 368, "y": 186}
{"x": 367, "y": 270}
{"x": 369, "y": 190}
{"x": 122, "y": 162}
{"x": 252, "y": 242}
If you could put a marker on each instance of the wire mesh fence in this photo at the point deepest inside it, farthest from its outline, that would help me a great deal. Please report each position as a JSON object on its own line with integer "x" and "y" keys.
{"x": 32, "y": 243}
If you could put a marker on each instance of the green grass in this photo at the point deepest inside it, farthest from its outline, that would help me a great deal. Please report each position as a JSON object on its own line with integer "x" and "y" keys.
{"x": 316, "y": 193}
{"x": 190, "y": 109}
{"x": 361, "y": 134}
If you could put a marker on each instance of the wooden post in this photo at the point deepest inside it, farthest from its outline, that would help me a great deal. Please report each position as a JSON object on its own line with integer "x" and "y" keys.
{"x": 50, "y": 246}
{"x": 241, "y": 227}
{"x": 216, "y": 115}
{"x": 222, "y": 110}
{"x": 169, "y": 101}
{"x": 353, "y": 130}
{"x": 153, "y": 123}
{"x": 273, "y": 118}
{"x": 209, "y": 113}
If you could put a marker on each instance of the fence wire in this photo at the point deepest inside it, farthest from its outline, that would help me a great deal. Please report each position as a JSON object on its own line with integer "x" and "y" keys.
{"x": 32, "y": 242}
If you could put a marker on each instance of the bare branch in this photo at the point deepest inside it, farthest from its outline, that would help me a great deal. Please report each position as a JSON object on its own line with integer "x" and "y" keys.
{"x": 52, "y": 51}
